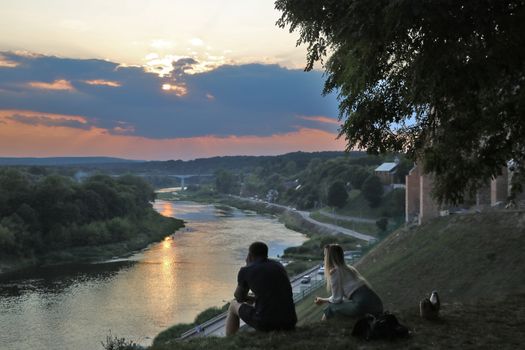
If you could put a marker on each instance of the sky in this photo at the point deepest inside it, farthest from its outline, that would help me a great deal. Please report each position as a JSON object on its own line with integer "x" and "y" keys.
{"x": 158, "y": 80}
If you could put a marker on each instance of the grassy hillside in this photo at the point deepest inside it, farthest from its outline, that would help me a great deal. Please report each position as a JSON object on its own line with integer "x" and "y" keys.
{"x": 464, "y": 257}
{"x": 474, "y": 261}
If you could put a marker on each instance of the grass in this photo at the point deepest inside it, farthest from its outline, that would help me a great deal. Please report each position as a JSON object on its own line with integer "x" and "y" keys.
{"x": 464, "y": 257}
{"x": 312, "y": 249}
{"x": 476, "y": 263}
{"x": 171, "y": 334}
{"x": 392, "y": 205}
{"x": 485, "y": 324}
{"x": 362, "y": 227}
{"x": 296, "y": 267}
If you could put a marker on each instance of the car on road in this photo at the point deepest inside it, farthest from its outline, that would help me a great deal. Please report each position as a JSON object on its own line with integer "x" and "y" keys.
{"x": 321, "y": 270}
{"x": 306, "y": 279}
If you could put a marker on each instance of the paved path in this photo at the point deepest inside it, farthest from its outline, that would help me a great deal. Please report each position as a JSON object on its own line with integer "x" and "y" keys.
{"x": 306, "y": 215}
{"x": 337, "y": 229}
{"x": 347, "y": 218}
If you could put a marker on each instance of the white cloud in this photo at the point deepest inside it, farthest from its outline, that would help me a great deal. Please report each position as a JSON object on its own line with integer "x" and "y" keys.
{"x": 196, "y": 42}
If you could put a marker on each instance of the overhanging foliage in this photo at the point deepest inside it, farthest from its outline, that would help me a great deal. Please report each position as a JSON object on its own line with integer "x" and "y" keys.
{"x": 439, "y": 80}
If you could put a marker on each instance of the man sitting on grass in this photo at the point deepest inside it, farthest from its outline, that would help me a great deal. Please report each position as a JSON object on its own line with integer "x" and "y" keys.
{"x": 272, "y": 308}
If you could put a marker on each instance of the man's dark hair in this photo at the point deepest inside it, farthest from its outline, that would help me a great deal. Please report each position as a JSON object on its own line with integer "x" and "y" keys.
{"x": 258, "y": 250}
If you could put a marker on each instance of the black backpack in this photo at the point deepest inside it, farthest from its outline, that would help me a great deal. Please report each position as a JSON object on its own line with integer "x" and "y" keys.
{"x": 384, "y": 326}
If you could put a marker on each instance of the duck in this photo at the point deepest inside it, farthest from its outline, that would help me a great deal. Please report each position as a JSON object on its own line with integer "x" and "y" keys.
{"x": 429, "y": 307}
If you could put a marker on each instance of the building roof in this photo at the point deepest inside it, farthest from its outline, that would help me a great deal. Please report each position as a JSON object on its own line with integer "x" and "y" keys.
{"x": 386, "y": 167}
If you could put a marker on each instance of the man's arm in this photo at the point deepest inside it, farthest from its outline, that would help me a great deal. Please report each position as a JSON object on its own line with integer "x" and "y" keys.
{"x": 241, "y": 293}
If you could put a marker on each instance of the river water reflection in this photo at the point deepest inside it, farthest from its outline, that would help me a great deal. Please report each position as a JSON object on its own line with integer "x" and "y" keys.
{"x": 75, "y": 306}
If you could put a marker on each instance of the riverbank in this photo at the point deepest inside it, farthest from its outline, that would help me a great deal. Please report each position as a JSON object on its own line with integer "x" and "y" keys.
{"x": 152, "y": 229}
{"x": 293, "y": 219}
{"x": 303, "y": 257}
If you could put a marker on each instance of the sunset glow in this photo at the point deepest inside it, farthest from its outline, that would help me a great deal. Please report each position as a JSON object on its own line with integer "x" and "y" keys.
{"x": 24, "y": 140}
{"x": 213, "y": 79}
{"x": 177, "y": 90}
{"x": 55, "y": 85}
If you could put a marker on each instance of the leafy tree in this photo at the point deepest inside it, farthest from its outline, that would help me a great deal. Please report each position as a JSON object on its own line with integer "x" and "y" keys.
{"x": 15, "y": 189}
{"x": 373, "y": 190}
{"x": 358, "y": 175}
{"x": 290, "y": 168}
{"x": 39, "y": 214}
{"x": 403, "y": 168}
{"x": 337, "y": 195}
{"x": 224, "y": 181}
{"x": 441, "y": 80}
{"x": 382, "y": 224}
{"x": 395, "y": 202}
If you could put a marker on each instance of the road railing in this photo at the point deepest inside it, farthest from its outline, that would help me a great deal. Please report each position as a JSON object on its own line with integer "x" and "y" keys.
{"x": 314, "y": 285}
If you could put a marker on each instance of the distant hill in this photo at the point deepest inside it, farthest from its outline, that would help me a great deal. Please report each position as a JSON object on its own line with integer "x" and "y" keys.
{"x": 239, "y": 163}
{"x": 195, "y": 166}
{"x": 62, "y": 161}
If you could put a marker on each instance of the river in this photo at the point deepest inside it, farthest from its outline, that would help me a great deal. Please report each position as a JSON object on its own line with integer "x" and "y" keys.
{"x": 77, "y": 306}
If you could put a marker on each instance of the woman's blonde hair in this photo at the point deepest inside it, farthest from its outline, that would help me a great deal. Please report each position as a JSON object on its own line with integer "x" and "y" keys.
{"x": 334, "y": 257}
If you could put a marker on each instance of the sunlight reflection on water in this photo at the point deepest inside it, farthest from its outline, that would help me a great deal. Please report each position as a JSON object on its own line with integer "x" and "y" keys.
{"x": 74, "y": 306}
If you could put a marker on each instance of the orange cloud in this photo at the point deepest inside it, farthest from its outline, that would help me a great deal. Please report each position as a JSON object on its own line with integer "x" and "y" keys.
{"x": 60, "y": 84}
{"x": 103, "y": 82}
{"x": 38, "y": 140}
{"x": 5, "y": 63}
{"x": 321, "y": 119}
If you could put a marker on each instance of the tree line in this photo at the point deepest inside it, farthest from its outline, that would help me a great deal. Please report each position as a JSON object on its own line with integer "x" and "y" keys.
{"x": 42, "y": 213}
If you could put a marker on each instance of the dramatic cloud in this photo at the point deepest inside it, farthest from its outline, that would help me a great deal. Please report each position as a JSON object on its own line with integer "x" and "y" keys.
{"x": 32, "y": 136}
{"x": 243, "y": 105}
{"x": 5, "y": 63}
{"x": 252, "y": 99}
{"x": 66, "y": 121}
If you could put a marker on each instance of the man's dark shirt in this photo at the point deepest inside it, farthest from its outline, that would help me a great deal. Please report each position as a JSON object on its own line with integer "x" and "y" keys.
{"x": 268, "y": 280}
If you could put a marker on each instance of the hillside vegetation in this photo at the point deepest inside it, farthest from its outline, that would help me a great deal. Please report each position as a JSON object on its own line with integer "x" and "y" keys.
{"x": 474, "y": 261}
{"x": 51, "y": 218}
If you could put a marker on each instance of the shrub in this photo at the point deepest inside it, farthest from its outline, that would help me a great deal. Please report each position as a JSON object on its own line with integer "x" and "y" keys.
{"x": 116, "y": 343}
{"x": 382, "y": 224}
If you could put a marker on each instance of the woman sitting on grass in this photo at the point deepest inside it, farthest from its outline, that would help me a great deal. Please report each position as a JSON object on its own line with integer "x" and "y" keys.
{"x": 352, "y": 295}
